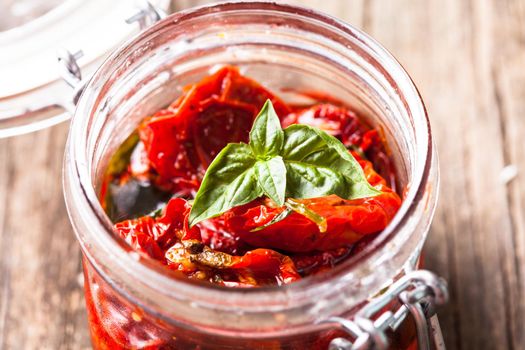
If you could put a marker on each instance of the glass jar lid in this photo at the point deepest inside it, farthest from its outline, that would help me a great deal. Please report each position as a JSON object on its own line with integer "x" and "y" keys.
{"x": 32, "y": 93}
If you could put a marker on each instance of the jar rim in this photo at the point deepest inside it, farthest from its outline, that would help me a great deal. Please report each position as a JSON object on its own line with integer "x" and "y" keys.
{"x": 82, "y": 182}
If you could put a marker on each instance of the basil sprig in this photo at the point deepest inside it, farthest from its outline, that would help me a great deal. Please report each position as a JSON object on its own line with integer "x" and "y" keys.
{"x": 298, "y": 162}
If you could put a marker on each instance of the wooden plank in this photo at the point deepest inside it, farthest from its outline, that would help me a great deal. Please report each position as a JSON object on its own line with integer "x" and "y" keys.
{"x": 4, "y": 273}
{"x": 42, "y": 304}
{"x": 445, "y": 45}
{"x": 508, "y": 73}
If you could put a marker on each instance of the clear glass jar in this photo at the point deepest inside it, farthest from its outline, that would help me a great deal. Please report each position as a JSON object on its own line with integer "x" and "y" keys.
{"x": 136, "y": 303}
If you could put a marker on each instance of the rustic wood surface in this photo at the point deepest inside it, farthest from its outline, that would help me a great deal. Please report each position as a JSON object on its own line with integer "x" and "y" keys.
{"x": 468, "y": 59}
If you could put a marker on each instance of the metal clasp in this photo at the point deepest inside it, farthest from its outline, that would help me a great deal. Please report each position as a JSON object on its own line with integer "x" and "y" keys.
{"x": 146, "y": 16}
{"x": 70, "y": 72}
{"x": 68, "y": 61}
{"x": 419, "y": 292}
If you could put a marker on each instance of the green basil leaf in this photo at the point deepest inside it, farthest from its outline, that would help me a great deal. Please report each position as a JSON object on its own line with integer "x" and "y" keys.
{"x": 298, "y": 162}
{"x": 307, "y": 180}
{"x": 266, "y": 136}
{"x": 315, "y": 159}
{"x": 271, "y": 175}
{"x": 230, "y": 181}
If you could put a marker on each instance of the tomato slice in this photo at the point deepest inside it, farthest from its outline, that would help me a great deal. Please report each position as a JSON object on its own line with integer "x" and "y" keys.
{"x": 219, "y": 123}
{"x": 347, "y": 220}
{"x": 170, "y": 151}
{"x": 139, "y": 234}
{"x": 152, "y": 236}
{"x": 337, "y": 121}
{"x": 267, "y": 267}
{"x": 255, "y": 268}
{"x": 181, "y": 141}
{"x": 245, "y": 90}
{"x": 168, "y": 140}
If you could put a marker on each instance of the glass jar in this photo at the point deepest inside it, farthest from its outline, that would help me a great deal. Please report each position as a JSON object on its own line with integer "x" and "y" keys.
{"x": 137, "y": 303}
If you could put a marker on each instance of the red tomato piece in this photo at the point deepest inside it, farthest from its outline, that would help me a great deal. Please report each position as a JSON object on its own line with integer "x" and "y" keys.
{"x": 337, "y": 121}
{"x": 175, "y": 222}
{"x": 170, "y": 151}
{"x": 215, "y": 234}
{"x": 267, "y": 267}
{"x": 347, "y": 220}
{"x": 152, "y": 237}
{"x": 312, "y": 263}
{"x": 242, "y": 89}
{"x": 182, "y": 141}
{"x": 219, "y": 123}
{"x": 139, "y": 234}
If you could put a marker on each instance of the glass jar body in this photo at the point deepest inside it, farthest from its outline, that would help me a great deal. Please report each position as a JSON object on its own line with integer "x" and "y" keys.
{"x": 116, "y": 323}
{"x": 302, "y": 56}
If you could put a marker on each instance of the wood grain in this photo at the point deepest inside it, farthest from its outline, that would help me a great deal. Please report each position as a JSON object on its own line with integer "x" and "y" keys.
{"x": 468, "y": 59}
{"x": 41, "y": 300}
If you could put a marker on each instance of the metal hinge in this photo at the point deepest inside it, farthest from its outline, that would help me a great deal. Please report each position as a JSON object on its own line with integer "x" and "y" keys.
{"x": 419, "y": 292}
{"x": 69, "y": 68}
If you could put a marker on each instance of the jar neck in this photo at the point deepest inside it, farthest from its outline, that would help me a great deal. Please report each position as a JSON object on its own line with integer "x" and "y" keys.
{"x": 280, "y": 43}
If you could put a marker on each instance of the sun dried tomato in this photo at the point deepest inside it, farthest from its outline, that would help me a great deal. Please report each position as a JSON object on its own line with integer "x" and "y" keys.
{"x": 170, "y": 240}
{"x": 181, "y": 141}
{"x": 255, "y": 268}
{"x": 348, "y": 220}
{"x": 153, "y": 236}
{"x": 313, "y": 263}
{"x": 245, "y": 90}
{"x": 337, "y": 121}
{"x": 219, "y": 123}
{"x": 140, "y": 235}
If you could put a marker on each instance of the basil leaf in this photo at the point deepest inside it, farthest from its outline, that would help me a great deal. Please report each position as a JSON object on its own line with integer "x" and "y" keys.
{"x": 298, "y": 162}
{"x": 315, "y": 159}
{"x": 271, "y": 175}
{"x": 306, "y": 180}
{"x": 266, "y": 136}
{"x": 230, "y": 181}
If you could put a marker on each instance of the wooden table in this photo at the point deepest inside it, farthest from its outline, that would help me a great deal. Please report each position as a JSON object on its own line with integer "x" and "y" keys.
{"x": 467, "y": 58}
